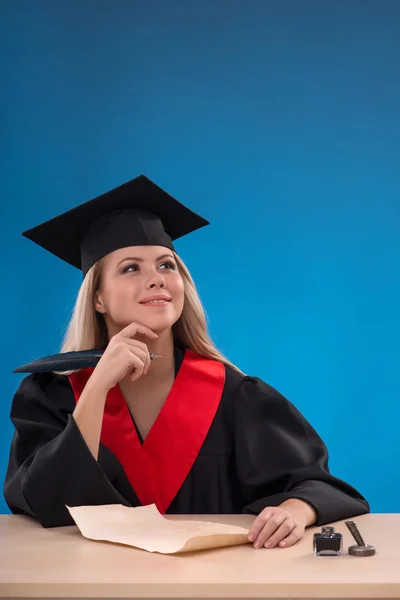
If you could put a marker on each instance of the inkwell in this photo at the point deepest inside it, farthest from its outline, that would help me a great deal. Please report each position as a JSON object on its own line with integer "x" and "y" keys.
{"x": 328, "y": 542}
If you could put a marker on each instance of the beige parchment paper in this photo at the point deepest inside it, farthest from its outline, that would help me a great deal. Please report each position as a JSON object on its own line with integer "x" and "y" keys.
{"x": 144, "y": 527}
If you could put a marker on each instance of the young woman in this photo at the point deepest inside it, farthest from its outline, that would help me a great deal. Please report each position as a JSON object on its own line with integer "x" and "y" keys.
{"x": 162, "y": 417}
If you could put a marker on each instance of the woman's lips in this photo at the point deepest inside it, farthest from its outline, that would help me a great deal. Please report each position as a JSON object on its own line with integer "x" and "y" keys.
{"x": 156, "y": 303}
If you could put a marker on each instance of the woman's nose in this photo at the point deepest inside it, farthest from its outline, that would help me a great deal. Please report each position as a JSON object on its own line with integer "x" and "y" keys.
{"x": 157, "y": 282}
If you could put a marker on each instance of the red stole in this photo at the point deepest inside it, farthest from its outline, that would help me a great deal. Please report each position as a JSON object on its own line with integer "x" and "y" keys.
{"x": 158, "y": 468}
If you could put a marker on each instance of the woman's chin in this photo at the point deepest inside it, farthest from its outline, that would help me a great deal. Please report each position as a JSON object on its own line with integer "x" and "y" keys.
{"x": 156, "y": 323}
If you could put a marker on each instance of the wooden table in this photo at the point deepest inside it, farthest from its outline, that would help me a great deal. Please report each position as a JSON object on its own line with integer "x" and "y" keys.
{"x": 60, "y": 562}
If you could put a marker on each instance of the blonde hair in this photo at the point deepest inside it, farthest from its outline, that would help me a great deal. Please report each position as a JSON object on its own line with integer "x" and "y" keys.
{"x": 87, "y": 330}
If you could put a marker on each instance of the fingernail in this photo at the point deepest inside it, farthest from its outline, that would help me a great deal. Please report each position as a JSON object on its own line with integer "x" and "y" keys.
{"x": 257, "y": 545}
{"x": 268, "y": 545}
{"x": 283, "y": 544}
{"x": 252, "y": 537}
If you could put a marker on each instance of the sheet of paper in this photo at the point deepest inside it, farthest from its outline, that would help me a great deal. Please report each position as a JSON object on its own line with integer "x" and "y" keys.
{"x": 144, "y": 527}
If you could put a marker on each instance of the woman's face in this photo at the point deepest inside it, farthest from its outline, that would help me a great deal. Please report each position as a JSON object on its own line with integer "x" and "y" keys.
{"x": 140, "y": 284}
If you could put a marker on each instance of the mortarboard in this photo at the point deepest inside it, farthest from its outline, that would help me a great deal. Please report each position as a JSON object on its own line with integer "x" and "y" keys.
{"x": 137, "y": 213}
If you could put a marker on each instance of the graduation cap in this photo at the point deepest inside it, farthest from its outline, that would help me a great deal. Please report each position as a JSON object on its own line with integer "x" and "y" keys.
{"x": 137, "y": 213}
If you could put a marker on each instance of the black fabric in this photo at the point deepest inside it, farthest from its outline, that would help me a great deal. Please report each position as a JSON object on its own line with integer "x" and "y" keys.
{"x": 259, "y": 451}
{"x": 137, "y": 213}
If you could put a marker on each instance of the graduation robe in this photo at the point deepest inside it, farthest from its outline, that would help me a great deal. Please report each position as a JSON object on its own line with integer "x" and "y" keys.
{"x": 247, "y": 449}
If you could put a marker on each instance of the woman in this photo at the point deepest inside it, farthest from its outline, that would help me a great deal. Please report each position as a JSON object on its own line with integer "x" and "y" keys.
{"x": 163, "y": 417}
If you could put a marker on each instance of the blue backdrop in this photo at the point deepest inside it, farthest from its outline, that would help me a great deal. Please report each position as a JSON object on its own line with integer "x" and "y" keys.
{"x": 279, "y": 122}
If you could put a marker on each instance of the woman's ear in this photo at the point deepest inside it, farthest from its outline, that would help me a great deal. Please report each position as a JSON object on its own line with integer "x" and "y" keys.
{"x": 98, "y": 305}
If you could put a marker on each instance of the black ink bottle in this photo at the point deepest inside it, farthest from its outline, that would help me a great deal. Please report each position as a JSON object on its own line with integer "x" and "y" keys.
{"x": 328, "y": 542}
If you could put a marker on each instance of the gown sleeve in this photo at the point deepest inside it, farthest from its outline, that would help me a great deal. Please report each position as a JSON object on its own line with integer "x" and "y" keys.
{"x": 280, "y": 456}
{"x": 50, "y": 464}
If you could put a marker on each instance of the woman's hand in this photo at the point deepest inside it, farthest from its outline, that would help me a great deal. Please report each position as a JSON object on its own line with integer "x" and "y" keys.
{"x": 283, "y": 525}
{"x": 123, "y": 355}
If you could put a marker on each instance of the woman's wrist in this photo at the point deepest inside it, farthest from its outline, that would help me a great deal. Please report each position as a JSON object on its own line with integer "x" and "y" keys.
{"x": 300, "y": 510}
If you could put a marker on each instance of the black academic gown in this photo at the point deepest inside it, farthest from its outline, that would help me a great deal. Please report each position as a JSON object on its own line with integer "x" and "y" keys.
{"x": 258, "y": 452}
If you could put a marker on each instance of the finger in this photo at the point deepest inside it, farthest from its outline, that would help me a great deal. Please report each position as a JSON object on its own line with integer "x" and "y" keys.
{"x": 147, "y": 362}
{"x": 142, "y": 350}
{"x": 258, "y": 524}
{"x": 135, "y": 328}
{"x": 135, "y": 344}
{"x": 270, "y": 526}
{"x": 280, "y": 534}
{"x": 137, "y": 366}
{"x": 292, "y": 538}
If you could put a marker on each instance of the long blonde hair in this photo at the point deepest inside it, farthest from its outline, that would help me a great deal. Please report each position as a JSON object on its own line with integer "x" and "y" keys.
{"x": 86, "y": 328}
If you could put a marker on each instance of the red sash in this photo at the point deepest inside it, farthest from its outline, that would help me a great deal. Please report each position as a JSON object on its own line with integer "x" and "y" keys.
{"x": 158, "y": 468}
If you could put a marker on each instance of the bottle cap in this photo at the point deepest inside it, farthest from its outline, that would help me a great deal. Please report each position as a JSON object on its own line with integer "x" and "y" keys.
{"x": 327, "y": 529}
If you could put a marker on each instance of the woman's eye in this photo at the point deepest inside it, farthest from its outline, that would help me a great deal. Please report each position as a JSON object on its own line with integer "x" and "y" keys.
{"x": 130, "y": 268}
{"x": 168, "y": 264}
{"x": 133, "y": 267}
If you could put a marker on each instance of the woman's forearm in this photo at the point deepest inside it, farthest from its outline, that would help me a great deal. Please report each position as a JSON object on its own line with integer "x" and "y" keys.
{"x": 88, "y": 415}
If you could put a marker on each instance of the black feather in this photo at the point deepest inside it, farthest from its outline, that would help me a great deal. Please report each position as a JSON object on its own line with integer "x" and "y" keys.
{"x": 66, "y": 361}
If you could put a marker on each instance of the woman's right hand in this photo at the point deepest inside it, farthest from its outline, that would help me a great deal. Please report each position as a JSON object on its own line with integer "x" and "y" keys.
{"x": 123, "y": 355}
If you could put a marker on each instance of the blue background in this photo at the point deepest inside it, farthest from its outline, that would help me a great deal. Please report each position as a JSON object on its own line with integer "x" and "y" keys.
{"x": 279, "y": 122}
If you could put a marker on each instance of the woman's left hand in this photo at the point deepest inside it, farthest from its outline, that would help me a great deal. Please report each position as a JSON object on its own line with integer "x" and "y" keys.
{"x": 276, "y": 525}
